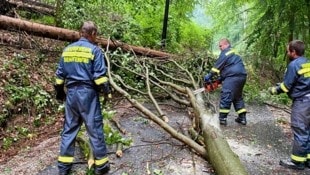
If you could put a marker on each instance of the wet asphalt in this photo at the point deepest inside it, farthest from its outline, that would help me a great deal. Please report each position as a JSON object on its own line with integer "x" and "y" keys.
{"x": 260, "y": 145}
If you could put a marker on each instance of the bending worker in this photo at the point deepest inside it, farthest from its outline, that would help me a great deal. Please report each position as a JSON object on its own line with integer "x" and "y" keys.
{"x": 230, "y": 69}
{"x": 82, "y": 70}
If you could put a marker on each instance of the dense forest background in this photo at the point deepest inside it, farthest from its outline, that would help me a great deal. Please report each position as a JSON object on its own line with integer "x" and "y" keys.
{"x": 259, "y": 30}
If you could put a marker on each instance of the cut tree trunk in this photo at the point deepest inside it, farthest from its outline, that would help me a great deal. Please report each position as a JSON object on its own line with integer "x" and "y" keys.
{"x": 9, "y": 23}
{"x": 219, "y": 153}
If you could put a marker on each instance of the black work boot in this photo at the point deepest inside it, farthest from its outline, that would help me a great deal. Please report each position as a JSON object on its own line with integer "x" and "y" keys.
{"x": 223, "y": 119}
{"x": 103, "y": 169}
{"x": 308, "y": 163}
{"x": 241, "y": 119}
{"x": 292, "y": 164}
{"x": 64, "y": 168}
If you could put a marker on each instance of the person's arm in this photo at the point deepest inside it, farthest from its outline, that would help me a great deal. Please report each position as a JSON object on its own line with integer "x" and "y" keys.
{"x": 219, "y": 64}
{"x": 100, "y": 70}
{"x": 60, "y": 80}
{"x": 289, "y": 80}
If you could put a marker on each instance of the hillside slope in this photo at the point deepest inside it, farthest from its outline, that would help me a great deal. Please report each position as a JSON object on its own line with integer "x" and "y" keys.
{"x": 28, "y": 110}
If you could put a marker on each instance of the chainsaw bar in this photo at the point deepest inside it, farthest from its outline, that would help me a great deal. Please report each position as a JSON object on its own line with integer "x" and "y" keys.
{"x": 198, "y": 90}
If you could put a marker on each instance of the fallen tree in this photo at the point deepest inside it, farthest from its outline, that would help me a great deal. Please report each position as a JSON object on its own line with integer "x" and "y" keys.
{"x": 28, "y": 5}
{"x": 9, "y": 23}
{"x": 215, "y": 149}
{"x": 151, "y": 78}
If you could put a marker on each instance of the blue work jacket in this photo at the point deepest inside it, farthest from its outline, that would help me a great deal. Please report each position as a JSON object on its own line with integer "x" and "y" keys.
{"x": 81, "y": 61}
{"x": 229, "y": 64}
{"x": 296, "y": 81}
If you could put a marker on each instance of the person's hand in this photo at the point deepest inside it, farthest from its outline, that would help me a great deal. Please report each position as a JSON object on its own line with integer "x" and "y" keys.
{"x": 60, "y": 92}
{"x": 208, "y": 77}
{"x": 273, "y": 90}
{"x": 106, "y": 88}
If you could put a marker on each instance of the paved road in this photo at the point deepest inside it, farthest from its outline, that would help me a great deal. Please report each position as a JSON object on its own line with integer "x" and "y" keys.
{"x": 260, "y": 145}
{"x": 263, "y": 142}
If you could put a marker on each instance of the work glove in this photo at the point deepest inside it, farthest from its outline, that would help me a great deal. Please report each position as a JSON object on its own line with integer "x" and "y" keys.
{"x": 273, "y": 90}
{"x": 105, "y": 89}
{"x": 219, "y": 79}
{"x": 208, "y": 77}
{"x": 60, "y": 92}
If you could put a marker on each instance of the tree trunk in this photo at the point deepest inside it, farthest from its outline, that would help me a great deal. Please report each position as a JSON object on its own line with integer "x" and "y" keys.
{"x": 219, "y": 153}
{"x": 32, "y": 6}
{"x": 9, "y": 23}
{"x": 59, "y": 12}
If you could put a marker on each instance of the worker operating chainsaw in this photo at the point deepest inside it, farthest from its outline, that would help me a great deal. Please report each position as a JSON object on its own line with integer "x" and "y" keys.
{"x": 230, "y": 68}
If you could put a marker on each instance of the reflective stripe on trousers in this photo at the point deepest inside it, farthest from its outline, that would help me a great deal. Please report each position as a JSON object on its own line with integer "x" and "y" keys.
{"x": 231, "y": 93}
{"x": 82, "y": 105}
{"x": 300, "y": 123}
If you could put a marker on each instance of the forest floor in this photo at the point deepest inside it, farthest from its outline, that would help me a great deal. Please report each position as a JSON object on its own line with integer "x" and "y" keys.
{"x": 260, "y": 145}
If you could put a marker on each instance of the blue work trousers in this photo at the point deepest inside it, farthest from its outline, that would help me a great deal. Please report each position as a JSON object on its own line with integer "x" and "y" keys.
{"x": 300, "y": 124}
{"x": 82, "y": 105}
{"x": 232, "y": 88}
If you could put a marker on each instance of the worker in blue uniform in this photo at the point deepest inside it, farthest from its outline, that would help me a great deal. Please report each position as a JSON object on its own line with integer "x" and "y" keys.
{"x": 296, "y": 85}
{"x": 82, "y": 71}
{"x": 229, "y": 68}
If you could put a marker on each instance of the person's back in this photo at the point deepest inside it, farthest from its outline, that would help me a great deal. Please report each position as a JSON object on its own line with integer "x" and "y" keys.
{"x": 230, "y": 64}
{"x": 82, "y": 69}
{"x": 302, "y": 83}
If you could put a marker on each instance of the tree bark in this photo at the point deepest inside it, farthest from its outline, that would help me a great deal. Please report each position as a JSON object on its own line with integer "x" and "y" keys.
{"x": 215, "y": 149}
{"x": 219, "y": 153}
{"x": 32, "y": 6}
{"x": 9, "y": 23}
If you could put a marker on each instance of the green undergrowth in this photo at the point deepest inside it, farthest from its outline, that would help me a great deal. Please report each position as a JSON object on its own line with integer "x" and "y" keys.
{"x": 27, "y": 98}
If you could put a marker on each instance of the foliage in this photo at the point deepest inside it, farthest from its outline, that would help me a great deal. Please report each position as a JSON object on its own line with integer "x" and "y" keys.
{"x": 262, "y": 29}
{"x": 138, "y": 22}
{"x": 113, "y": 136}
{"x": 23, "y": 96}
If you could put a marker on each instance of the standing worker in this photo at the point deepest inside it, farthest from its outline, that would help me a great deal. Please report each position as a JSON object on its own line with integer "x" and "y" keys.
{"x": 296, "y": 84}
{"x": 230, "y": 69}
{"x": 82, "y": 70}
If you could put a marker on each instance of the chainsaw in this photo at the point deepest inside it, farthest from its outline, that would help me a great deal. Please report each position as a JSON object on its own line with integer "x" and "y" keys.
{"x": 208, "y": 87}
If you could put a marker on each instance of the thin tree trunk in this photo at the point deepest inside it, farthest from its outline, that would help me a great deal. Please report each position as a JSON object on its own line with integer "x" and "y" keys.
{"x": 58, "y": 12}
{"x": 32, "y": 6}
